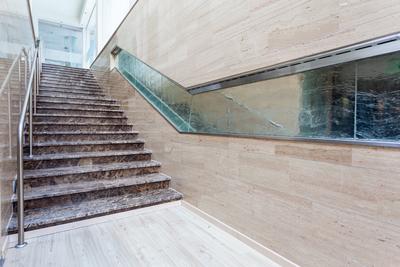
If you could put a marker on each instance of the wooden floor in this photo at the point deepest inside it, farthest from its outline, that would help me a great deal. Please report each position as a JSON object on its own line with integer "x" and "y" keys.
{"x": 170, "y": 235}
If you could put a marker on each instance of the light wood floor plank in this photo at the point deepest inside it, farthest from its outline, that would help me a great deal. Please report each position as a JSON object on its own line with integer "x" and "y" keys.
{"x": 171, "y": 236}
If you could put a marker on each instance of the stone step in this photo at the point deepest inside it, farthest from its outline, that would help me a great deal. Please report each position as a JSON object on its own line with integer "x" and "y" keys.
{"x": 57, "y": 75}
{"x": 79, "y": 111}
{"x": 75, "y": 99}
{"x": 67, "y": 87}
{"x": 39, "y": 137}
{"x": 77, "y": 209}
{"x": 47, "y": 72}
{"x": 48, "y": 83}
{"x": 85, "y": 79}
{"x": 85, "y": 173}
{"x": 73, "y": 105}
{"x": 85, "y": 146}
{"x": 77, "y": 82}
{"x": 141, "y": 182}
{"x": 79, "y": 118}
{"x": 57, "y": 160}
{"x": 71, "y": 92}
{"x": 76, "y": 127}
{"x": 63, "y": 69}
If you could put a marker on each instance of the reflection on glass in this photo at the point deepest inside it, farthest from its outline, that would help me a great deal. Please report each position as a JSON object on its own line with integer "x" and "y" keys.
{"x": 378, "y": 98}
{"x": 356, "y": 100}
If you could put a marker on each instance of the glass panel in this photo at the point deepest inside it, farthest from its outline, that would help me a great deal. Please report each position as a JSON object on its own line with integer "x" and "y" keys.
{"x": 62, "y": 44}
{"x": 91, "y": 37}
{"x": 327, "y": 103}
{"x": 378, "y": 98}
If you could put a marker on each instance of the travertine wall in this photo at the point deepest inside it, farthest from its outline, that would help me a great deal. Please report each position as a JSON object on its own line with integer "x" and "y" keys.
{"x": 197, "y": 41}
{"x": 315, "y": 204}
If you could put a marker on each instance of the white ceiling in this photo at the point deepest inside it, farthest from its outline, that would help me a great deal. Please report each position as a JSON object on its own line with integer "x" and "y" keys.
{"x": 61, "y": 11}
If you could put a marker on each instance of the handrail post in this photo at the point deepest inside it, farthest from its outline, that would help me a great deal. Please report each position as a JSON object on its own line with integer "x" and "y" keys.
{"x": 9, "y": 100}
{"x": 20, "y": 189}
{"x": 30, "y": 126}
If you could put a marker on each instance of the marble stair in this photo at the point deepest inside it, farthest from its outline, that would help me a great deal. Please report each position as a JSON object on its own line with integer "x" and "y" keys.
{"x": 87, "y": 159}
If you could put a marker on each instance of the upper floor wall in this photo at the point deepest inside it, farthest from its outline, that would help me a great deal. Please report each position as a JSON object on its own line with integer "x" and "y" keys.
{"x": 194, "y": 42}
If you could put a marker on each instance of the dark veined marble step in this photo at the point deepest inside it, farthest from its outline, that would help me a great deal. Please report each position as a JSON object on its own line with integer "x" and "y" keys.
{"x": 72, "y": 104}
{"x": 76, "y": 93}
{"x": 54, "y": 190}
{"x": 69, "y": 79}
{"x": 82, "y": 136}
{"x": 79, "y": 111}
{"x": 60, "y": 73}
{"x": 75, "y": 210}
{"x": 75, "y": 99}
{"x": 84, "y": 146}
{"x": 57, "y": 160}
{"x": 79, "y": 118}
{"x": 59, "y": 76}
{"x": 71, "y": 90}
{"x": 63, "y": 85}
{"x": 85, "y": 173}
{"x": 64, "y": 69}
{"x": 55, "y": 126}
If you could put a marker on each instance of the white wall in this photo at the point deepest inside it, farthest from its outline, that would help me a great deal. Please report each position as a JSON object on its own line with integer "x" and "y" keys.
{"x": 109, "y": 15}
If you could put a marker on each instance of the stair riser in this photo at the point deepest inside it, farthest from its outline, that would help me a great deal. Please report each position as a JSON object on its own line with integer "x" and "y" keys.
{"x": 100, "y": 175}
{"x": 75, "y": 100}
{"x": 80, "y": 120}
{"x": 55, "y": 163}
{"x": 82, "y": 137}
{"x": 77, "y": 128}
{"x": 75, "y": 106}
{"x": 62, "y": 87}
{"x": 78, "y": 112}
{"x": 83, "y": 148}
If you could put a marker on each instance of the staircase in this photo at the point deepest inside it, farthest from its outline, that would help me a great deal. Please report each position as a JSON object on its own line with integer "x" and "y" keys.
{"x": 87, "y": 160}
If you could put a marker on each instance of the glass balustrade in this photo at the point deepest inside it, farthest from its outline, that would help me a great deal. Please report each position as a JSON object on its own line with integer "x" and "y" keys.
{"x": 355, "y": 101}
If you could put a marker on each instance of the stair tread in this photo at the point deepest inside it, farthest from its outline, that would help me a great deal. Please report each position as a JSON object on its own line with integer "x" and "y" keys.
{"x": 69, "y": 212}
{"x": 84, "y": 132}
{"x": 89, "y": 168}
{"x": 75, "y": 98}
{"x": 78, "y": 103}
{"x": 88, "y": 186}
{"x": 91, "y": 142}
{"x": 73, "y": 155}
{"x": 82, "y": 109}
{"x": 78, "y": 123}
{"x": 81, "y": 116}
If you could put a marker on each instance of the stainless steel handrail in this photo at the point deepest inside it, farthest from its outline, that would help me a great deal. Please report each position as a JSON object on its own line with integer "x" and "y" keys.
{"x": 29, "y": 100}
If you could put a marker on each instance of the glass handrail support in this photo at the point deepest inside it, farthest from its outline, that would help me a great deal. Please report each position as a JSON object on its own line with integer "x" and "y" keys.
{"x": 352, "y": 102}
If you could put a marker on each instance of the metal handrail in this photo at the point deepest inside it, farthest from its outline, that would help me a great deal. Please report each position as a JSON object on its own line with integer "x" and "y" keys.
{"x": 29, "y": 101}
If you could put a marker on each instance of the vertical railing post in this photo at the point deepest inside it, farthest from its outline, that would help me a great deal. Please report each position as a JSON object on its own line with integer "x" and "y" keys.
{"x": 20, "y": 189}
{"x": 9, "y": 120}
{"x": 30, "y": 126}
